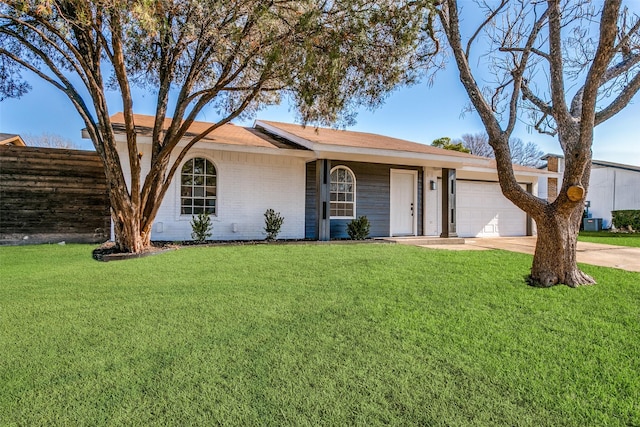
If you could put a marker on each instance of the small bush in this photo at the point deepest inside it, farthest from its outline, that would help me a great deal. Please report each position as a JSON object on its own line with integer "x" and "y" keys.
{"x": 272, "y": 223}
{"x": 201, "y": 227}
{"x": 358, "y": 229}
{"x": 626, "y": 219}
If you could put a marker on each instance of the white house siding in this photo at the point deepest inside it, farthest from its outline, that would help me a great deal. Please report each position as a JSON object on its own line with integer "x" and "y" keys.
{"x": 543, "y": 188}
{"x": 432, "y": 202}
{"x": 247, "y": 185}
{"x": 612, "y": 189}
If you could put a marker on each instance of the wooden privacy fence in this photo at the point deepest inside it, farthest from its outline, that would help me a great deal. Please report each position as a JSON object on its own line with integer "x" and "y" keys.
{"x": 49, "y": 195}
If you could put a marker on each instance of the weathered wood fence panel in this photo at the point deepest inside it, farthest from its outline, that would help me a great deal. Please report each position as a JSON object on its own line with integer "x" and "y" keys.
{"x": 50, "y": 195}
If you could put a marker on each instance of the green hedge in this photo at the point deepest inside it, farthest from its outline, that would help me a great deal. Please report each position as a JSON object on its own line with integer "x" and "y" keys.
{"x": 623, "y": 219}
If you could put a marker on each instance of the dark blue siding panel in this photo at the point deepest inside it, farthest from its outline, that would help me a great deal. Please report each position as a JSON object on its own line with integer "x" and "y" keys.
{"x": 310, "y": 217}
{"x": 339, "y": 228}
{"x": 372, "y": 198}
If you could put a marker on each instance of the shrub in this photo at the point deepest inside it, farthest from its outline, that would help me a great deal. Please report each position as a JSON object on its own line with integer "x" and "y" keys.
{"x": 272, "y": 223}
{"x": 201, "y": 227}
{"x": 626, "y": 219}
{"x": 358, "y": 229}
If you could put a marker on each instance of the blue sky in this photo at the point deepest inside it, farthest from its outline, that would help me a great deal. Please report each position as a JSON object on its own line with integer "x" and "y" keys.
{"x": 419, "y": 113}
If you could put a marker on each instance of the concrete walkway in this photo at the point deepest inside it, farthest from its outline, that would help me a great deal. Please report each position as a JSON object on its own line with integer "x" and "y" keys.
{"x": 621, "y": 257}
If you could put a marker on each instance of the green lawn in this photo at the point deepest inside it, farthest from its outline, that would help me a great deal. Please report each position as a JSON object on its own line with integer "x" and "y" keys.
{"x": 312, "y": 335}
{"x": 609, "y": 238}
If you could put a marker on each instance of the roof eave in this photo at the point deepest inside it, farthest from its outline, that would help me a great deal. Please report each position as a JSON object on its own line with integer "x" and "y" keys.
{"x": 220, "y": 146}
{"x": 404, "y": 157}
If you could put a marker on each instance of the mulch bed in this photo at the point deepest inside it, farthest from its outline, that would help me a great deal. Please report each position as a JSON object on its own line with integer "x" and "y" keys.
{"x": 109, "y": 252}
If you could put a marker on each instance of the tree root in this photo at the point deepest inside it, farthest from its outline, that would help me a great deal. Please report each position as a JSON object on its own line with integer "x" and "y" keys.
{"x": 574, "y": 279}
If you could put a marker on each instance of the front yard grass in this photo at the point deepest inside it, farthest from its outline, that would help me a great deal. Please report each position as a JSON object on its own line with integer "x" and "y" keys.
{"x": 312, "y": 335}
{"x": 609, "y": 238}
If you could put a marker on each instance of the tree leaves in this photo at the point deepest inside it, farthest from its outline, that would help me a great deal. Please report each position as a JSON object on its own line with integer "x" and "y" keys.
{"x": 194, "y": 56}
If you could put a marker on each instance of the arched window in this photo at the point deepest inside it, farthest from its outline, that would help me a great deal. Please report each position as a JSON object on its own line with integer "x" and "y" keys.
{"x": 198, "y": 187}
{"x": 343, "y": 193}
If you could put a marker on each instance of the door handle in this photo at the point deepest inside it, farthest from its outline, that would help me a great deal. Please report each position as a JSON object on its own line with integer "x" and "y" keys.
{"x": 411, "y": 209}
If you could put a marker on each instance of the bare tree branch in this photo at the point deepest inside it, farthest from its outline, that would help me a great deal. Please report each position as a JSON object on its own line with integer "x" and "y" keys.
{"x": 620, "y": 102}
{"x": 528, "y": 95}
{"x": 556, "y": 71}
{"x": 538, "y": 52}
{"x": 519, "y": 71}
{"x": 604, "y": 54}
{"x": 617, "y": 70}
{"x": 489, "y": 18}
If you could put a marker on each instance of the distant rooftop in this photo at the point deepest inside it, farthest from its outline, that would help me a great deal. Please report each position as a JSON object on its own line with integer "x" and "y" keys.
{"x": 11, "y": 139}
{"x": 601, "y": 163}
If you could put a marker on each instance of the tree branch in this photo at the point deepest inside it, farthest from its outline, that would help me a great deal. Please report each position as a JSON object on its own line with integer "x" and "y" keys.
{"x": 492, "y": 15}
{"x": 621, "y": 101}
{"x": 613, "y": 72}
{"x": 518, "y": 73}
{"x": 559, "y": 105}
{"x": 466, "y": 76}
{"x": 79, "y": 69}
{"x": 120, "y": 71}
{"x": 538, "y": 52}
{"x": 603, "y": 56}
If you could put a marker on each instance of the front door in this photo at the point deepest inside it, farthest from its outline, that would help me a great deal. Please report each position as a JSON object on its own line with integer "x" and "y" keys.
{"x": 403, "y": 202}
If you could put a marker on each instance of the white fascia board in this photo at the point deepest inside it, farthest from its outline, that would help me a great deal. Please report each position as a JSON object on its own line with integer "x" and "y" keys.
{"x": 399, "y": 157}
{"x": 291, "y": 137}
{"x": 393, "y": 160}
{"x": 218, "y": 146}
{"x": 534, "y": 173}
{"x": 249, "y": 149}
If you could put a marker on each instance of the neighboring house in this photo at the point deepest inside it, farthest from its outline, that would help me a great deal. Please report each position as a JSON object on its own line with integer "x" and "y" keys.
{"x": 11, "y": 139}
{"x": 612, "y": 186}
{"x": 320, "y": 179}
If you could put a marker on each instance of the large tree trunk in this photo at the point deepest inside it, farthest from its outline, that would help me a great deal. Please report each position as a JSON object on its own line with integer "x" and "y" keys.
{"x": 554, "y": 261}
{"x": 131, "y": 234}
{"x": 128, "y": 235}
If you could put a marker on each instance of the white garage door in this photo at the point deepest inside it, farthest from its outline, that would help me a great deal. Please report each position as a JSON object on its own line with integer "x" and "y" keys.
{"x": 484, "y": 212}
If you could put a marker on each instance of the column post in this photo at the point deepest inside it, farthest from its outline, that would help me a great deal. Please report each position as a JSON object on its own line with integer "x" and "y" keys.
{"x": 448, "y": 203}
{"x": 323, "y": 203}
{"x": 529, "y": 218}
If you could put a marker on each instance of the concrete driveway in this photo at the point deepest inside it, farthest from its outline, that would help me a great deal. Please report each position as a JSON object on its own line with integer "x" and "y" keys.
{"x": 621, "y": 257}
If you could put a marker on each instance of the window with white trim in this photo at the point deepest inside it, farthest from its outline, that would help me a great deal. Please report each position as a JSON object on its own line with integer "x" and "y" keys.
{"x": 198, "y": 184}
{"x": 343, "y": 193}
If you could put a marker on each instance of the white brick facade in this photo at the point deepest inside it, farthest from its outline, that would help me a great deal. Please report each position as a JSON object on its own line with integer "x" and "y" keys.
{"x": 247, "y": 185}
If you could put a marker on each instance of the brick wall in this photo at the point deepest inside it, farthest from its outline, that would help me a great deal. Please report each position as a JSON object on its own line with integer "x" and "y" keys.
{"x": 247, "y": 185}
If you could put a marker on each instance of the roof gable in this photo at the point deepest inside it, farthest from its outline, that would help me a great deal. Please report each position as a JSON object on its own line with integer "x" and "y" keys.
{"x": 362, "y": 140}
{"x": 228, "y": 133}
{"x": 344, "y": 138}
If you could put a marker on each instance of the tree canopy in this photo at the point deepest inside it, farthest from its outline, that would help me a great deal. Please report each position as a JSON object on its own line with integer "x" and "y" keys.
{"x": 231, "y": 58}
{"x": 447, "y": 144}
